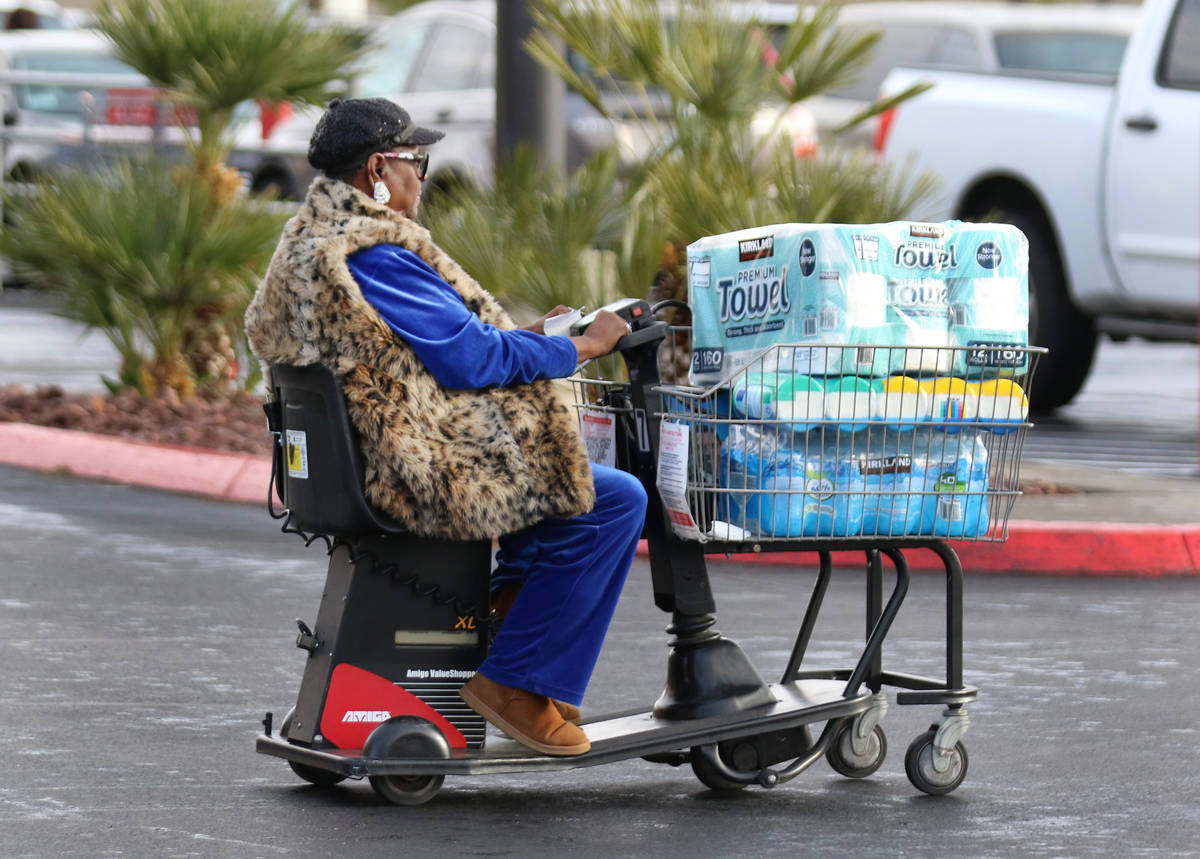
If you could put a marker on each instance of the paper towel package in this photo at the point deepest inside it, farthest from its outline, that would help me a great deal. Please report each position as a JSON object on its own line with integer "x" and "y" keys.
{"x": 894, "y": 295}
{"x": 989, "y": 299}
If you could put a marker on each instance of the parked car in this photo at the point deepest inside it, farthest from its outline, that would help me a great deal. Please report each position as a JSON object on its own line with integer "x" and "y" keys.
{"x": 973, "y": 36}
{"x": 438, "y": 60}
{"x": 54, "y": 123}
{"x": 50, "y": 16}
{"x": 1100, "y": 171}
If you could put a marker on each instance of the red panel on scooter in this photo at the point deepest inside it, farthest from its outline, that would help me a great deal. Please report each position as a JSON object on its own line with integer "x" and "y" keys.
{"x": 359, "y": 700}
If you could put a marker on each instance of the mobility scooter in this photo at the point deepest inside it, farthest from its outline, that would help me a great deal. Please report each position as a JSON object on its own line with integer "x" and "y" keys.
{"x": 404, "y": 619}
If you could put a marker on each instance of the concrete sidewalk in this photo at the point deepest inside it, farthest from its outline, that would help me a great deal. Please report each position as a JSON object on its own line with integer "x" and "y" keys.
{"x": 1115, "y": 524}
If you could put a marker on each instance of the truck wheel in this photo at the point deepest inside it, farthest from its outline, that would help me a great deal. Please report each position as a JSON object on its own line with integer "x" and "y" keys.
{"x": 274, "y": 184}
{"x": 1054, "y": 321}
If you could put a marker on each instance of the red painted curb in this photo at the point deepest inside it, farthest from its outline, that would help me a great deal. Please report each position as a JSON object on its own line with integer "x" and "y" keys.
{"x": 1049, "y": 548}
{"x": 193, "y": 471}
{"x": 1040, "y": 548}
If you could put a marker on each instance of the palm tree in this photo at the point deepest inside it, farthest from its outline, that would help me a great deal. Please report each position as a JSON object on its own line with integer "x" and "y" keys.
{"x": 163, "y": 261}
{"x": 212, "y": 55}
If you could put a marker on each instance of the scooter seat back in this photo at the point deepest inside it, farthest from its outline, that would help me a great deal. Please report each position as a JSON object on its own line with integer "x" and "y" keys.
{"x": 319, "y": 467}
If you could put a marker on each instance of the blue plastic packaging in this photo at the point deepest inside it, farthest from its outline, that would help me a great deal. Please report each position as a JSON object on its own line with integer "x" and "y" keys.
{"x": 891, "y": 476}
{"x": 956, "y": 480}
{"x": 747, "y": 455}
{"x": 816, "y": 494}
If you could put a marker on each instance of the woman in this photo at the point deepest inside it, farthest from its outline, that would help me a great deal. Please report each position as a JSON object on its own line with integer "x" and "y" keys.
{"x": 461, "y": 434}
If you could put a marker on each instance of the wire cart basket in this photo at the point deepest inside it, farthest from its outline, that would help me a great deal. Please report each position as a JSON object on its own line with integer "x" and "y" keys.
{"x": 794, "y": 452}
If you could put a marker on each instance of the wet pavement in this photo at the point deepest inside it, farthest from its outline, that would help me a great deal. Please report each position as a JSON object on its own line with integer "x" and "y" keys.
{"x": 144, "y": 635}
{"x": 39, "y": 348}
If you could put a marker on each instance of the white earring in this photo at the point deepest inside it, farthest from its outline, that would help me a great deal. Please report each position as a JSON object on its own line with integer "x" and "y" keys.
{"x": 382, "y": 194}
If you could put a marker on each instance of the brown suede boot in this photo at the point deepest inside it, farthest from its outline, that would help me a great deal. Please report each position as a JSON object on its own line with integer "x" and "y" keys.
{"x": 569, "y": 712}
{"x": 529, "y": 718}
{"x": 502, "y": 601}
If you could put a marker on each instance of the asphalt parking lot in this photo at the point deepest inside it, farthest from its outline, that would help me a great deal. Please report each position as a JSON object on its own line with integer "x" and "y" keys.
{"x": 144, "y": 636}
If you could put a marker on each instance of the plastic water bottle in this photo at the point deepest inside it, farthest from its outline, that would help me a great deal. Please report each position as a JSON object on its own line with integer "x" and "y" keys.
{"x": 813, "y": 493}
{"x": 747, "y": 454}
{"x": 956, "y": 482}
{"x": 753, "y": 394}
{"x": 890, "y": 472}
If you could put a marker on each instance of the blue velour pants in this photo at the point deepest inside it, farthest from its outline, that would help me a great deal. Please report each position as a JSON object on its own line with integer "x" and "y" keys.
{"x": 571, "y": 572}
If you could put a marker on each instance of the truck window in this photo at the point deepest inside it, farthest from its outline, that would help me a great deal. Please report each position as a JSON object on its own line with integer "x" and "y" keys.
{"x": 1090, "y": 53}
{"x": 907, "y": 45}
{"x": 64, "y": 99}
{"x": 958, "y": 50}
{"x": 453, "y": 60}
{"x": 390, "y": 60}
{"x": 1180, "y": 65}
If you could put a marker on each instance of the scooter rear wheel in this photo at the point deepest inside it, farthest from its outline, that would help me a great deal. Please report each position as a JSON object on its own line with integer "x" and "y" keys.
{"x": 316, "y": 776}
{"x": 407, "y": 789}
{"x": 312, "y": 775}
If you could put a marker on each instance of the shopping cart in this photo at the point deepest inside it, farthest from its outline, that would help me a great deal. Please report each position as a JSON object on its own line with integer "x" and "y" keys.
{"x": 790, "y": 454}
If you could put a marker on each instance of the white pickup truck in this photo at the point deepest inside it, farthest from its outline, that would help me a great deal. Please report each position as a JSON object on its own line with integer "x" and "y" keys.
{"x": 1103, "y": 176}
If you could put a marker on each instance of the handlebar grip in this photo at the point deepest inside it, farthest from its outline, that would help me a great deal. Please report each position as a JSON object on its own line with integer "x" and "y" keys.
{"x": 651, "y": 333}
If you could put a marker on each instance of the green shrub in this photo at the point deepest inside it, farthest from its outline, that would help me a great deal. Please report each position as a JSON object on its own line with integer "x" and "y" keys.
{"x": 164, "y": 260}
{"x": 537, "y": 239}
{"x": 144, "y": 257}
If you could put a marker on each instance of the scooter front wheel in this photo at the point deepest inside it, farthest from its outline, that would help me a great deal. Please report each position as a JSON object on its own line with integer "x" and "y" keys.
{"x": 406, "y": 737}
{"x": 931, "y": 771}
{"x": 857, "y": 760}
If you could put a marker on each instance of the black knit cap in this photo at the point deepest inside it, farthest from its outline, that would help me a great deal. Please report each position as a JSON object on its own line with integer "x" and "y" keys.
{"x": 353, "y": 129}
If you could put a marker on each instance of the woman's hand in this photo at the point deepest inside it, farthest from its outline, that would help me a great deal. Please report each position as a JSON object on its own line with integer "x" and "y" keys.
{"x": 539, "y": 326}
{"x": 601, "y": 336}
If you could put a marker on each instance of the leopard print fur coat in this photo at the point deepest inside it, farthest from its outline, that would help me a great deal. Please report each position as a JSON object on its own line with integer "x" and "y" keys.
{"x": 443, "y": 463}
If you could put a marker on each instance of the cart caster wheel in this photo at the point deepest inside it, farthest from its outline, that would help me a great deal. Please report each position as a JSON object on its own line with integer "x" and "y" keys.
{"x": 857, "y": 764}
{"x": 708, "y": 775}
{"x": 312, "y": 775}
{"x": 406, "y": 737}
{"x": 931, "y": 775}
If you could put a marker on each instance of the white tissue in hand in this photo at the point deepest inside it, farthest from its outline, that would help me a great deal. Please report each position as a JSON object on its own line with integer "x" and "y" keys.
{"x": 560, "y": 325}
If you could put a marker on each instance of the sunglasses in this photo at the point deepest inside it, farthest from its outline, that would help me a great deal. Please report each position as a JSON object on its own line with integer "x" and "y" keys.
{"x": 420, "y": 161}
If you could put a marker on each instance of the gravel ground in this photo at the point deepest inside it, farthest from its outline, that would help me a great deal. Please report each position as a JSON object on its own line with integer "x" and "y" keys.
{"x": 236, "y": 425}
